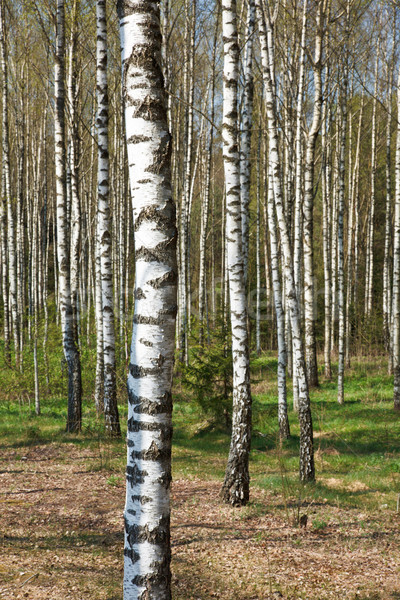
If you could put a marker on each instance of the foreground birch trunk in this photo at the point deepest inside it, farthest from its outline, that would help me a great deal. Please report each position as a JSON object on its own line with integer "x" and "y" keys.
{"x": 307, "y": 469}
{"x": 147, "y": 508}
{"x": 71, "y": 351}
{"x": 235, "y": 489}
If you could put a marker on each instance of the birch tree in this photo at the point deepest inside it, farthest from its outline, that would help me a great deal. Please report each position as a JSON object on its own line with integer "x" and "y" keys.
{"x": 245, "y": 134}
{"x": 71, "y": 351}
{"x": 6, "y": 191}
{"x": 235, "y": 489}
{"x": 309, "y": 301}
{"x": 265, "y": 25}
{"x": 341, "y": 199}
{"x": 147, "y": 508}
{"x": 396, "y": 266}
{"x": 104, "y": 228}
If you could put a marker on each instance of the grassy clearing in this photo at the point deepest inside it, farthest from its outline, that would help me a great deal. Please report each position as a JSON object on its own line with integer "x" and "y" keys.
{"x": 357, "y": 446}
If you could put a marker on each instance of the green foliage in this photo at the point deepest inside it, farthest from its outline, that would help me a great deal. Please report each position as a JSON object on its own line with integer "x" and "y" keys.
{"x": 207, "y": 379}
{"x": 319, "y": 524}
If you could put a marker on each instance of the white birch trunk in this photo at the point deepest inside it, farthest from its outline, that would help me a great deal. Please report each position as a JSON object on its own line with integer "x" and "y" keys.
{"x": 298, "y": 213}
{"x": 284, "y": 429}
{"x": 12, "y": 264}
{"x": 245, "y": 134}
{"x": 104, "y": 228}
{"x": 307, "y": 469}
{"x": 350, "y": 233}
{"x": 184, "y": 306}
{"x": 396, "y": 267}
{"x": 387, "y": 301}
{"x": 326, "y": 241}
{"x": 147, "y": 508}
{"x": 341, "y": 193}
{"x": 308, "y": 236}
{"x": 71, "y": 352}
{"x": 370, "y": 246}
{"x": 75, "y": 209}
{"x": 235, "y": 489}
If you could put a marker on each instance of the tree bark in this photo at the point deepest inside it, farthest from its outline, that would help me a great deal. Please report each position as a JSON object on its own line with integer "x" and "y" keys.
{"x": 307, "y": 468}
{"x": 147, "y": 508}
{"x": 235, "y": 489}
{"x": 104, "y": 228}
{"x": 71, "y": 352}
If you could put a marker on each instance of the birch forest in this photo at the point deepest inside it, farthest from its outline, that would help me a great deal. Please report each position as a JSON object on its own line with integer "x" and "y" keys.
{"x": 200, "y": 207}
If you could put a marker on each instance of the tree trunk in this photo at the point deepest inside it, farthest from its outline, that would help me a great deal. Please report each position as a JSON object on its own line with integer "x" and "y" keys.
{"x": 147, "y": 508}
{"x": 104, "y": 228}
{"x": 12, "y": 265}
{"x": 341, "y": 189}
{"x": 307, "y": 469}
{"x": 309, "y": 301}
{"x": 235, "y": 489}
{"x": 283, "y": 420}
{"x": 396, "y": 267}
{"x": 71, "y": 352}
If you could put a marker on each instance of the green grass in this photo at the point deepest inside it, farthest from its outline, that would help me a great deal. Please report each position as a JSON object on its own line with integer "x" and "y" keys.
{"x": 357, "y": 446}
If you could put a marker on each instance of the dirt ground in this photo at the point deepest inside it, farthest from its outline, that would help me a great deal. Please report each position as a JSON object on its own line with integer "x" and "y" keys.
{"x": 61, "y": 539}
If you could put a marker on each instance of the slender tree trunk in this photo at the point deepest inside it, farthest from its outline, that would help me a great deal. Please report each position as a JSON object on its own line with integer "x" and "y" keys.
{"x": 396, "y": 267}
{"x": 353, "y": 191}
{"x": 12, "y": 264}
{"x": 307, "y": 469}
{"x": 104, "y": 228}
{"x": 71, "y": 352}
{"x": 341, "y": 178}
{"x": 235, "y": 489}
{"x": 245, "y": 134}
{"x": 284, "y": 428}
{"x": 73, "y": 144}
{"x": 370, "y": 245}
{"x": 309, "y": 301}
{"x": 387, "y": 300}
{"x": 184, "y": 307}
{"x": 326, "y": 210}
{"x": 298, "y": 220}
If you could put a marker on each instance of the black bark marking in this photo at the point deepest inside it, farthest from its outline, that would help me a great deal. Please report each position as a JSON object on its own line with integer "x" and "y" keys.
{"x": 153, "y": 453}
{"x": 160, "y": 253}
{"x": 163, "y": 316}
{"x": 165, "y": 431}
{"x": 165, "y": 480}
{"x": 134, "y": 475}
{"x": 143, "y": 405}
{"x": 132, "y": 554}
{"x": 137, "y": 534}
{"x": 170, "y": 278}
{"x": 136, "y": 139}
{"x": 141, "y": 499}
{"x": 164, "y": 216}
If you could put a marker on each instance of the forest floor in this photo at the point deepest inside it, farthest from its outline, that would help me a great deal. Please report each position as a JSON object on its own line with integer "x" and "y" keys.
{"x": 62, "y": 497}
{"x": 61, "y": 539}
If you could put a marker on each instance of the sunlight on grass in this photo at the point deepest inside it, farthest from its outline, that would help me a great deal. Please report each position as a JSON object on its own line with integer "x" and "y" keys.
{"x": 357, "y": 446}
